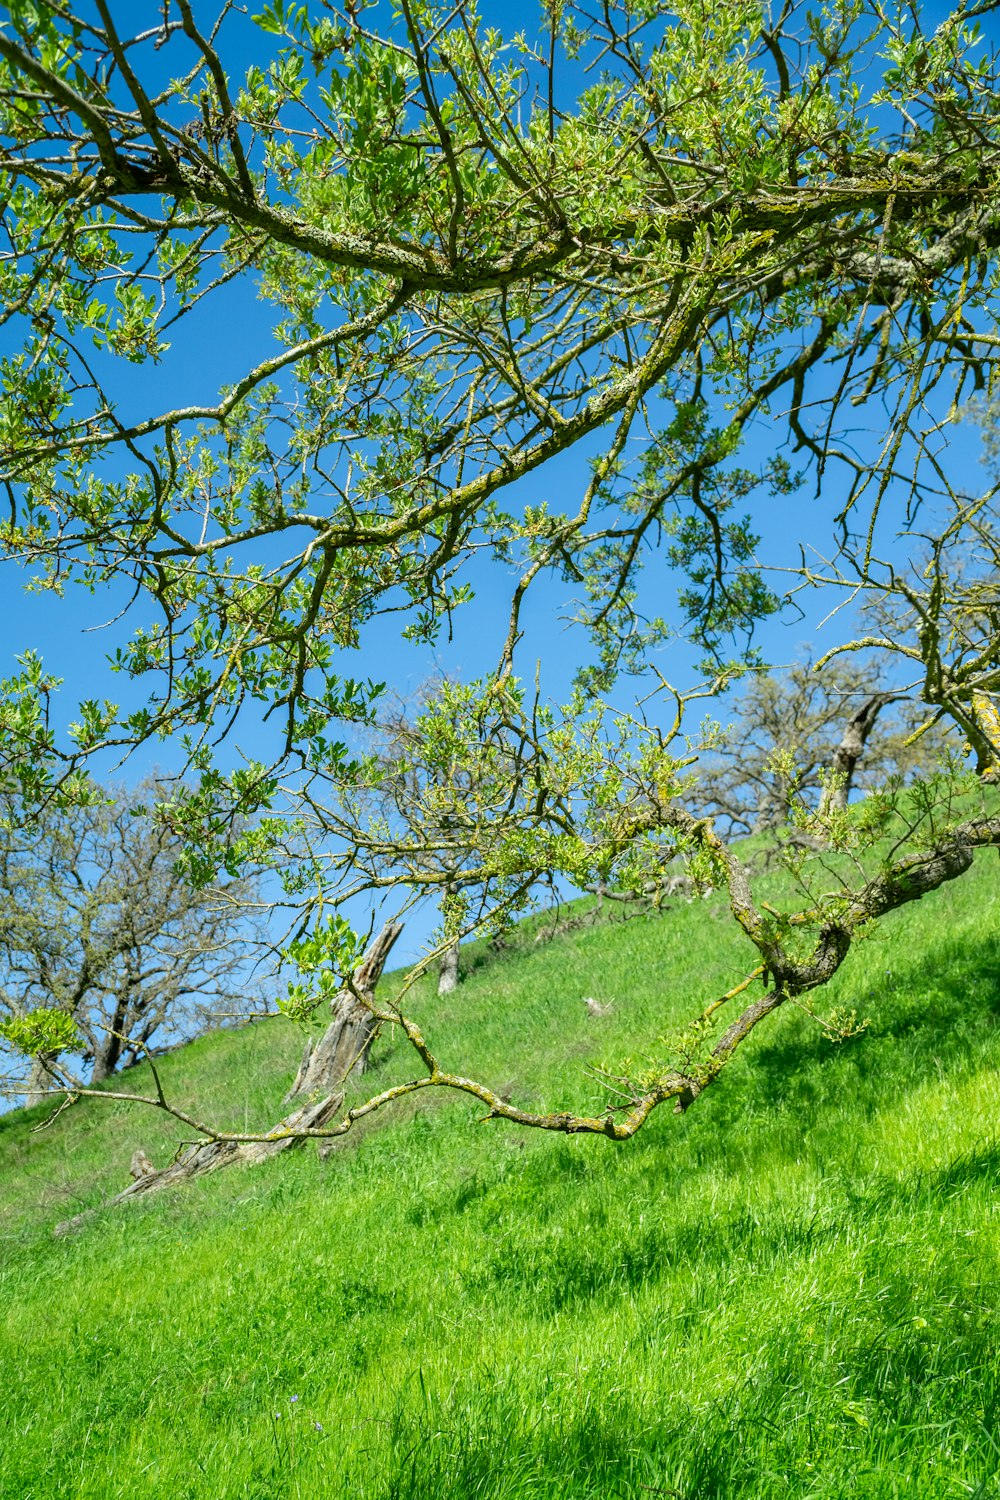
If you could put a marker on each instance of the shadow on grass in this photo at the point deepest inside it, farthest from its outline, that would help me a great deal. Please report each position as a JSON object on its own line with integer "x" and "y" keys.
{"x": 776, "y": 1432}
{"x": 796, "y": 1081}
{"x": 926, "y": 1019}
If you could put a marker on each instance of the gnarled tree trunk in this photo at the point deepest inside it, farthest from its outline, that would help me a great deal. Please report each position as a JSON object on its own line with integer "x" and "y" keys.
{"x": 850, "y": 750}
{"x": 343, "y": 1047}
{"x": 341, "y": 1050}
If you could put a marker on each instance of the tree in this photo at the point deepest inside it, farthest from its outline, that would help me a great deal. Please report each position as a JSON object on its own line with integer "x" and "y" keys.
{"x": 99, "y": 925}
{"x": 938, "y": 616}
{"x": 810, "y": 736}
{"x": 437, "y": 806}
{"x": 465, "y": 284}
{"x": 413, "y": 815}
{"x": 637, "y": 235}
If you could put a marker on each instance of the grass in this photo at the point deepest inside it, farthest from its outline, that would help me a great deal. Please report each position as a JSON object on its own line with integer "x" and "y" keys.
{"x": 789, "y": 1291}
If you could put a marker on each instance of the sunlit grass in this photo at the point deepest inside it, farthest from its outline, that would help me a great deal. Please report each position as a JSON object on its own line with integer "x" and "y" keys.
{"x": 789, "y": 1291}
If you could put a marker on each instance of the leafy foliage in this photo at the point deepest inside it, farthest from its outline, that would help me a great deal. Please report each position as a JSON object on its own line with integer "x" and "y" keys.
{"x": 45, "y": 1032}
{"x": 644, "y": 236}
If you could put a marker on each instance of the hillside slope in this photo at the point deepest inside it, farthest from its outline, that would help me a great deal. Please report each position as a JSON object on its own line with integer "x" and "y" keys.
{"x": 791, "y": 1290}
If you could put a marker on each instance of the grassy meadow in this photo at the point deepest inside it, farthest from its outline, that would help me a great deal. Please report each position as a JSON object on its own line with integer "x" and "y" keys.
{"x": 792, "y": 1290}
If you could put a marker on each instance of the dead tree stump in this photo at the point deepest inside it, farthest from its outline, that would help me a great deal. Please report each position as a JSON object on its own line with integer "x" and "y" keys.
{"x": 210, "y": 1156}
{"x": 343, "y": 1047}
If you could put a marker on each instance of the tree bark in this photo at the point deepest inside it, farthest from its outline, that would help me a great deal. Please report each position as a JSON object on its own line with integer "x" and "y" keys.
{"x": 448, "y": 970}
{"x": 986, "y": 741}
{"x": 343, "y": 1047}
{"x": 40, "y": 1080}
{"x": 850, "y": 750}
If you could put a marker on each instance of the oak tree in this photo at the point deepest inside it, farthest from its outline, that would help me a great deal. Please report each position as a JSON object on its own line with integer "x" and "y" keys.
{"x": 643, "y": 234}
{"x": 104, "y": 939}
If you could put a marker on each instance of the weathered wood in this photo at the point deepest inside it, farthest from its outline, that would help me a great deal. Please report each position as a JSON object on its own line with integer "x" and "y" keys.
{"x": 210, "y": 1156}
{"x": 448, "y": 970}
{"x": 850, "y": 750}
{"x": 342, "y": 1049}
{"x": 597, "y": 1008}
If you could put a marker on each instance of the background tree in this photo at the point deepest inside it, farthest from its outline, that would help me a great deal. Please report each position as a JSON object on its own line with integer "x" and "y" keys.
{"x": 414, "y": 783}
{"x": 938, "y": 616}
{"x": 812, "y": 736}
{"x": 454, "y": 801}
{"x": 99, "y": 922}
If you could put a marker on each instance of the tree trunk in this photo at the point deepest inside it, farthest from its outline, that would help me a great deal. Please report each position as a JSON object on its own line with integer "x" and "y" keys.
{"x": 105, "y": 1062}
{"x": 986, "y": 739}
{"x": 850, "y": 750}
{"x": 343, "y": 1047}
{"x": 341, "y": 1050}
{"x": 448, "y": 970}
{"x": 448, "y": 963}
{"x": 209, "y": 1156}
{"x": 108, "y": 1054}
{"x": 40, "y": 1080}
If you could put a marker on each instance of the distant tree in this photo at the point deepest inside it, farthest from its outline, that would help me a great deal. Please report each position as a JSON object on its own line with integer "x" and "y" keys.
{"x": 99, "y": 923}
{"x": 425, "y": 792}
{"x": 809, "y": 734}
{"x": 938, "y": 618}
{"x": 427, "y": 812}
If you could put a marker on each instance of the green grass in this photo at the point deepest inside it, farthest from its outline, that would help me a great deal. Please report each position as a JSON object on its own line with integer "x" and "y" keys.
{"x": 789, "y": 1291}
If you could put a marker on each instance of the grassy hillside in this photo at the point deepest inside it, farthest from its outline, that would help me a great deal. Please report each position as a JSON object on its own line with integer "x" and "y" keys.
{"x": 790, "y": 1291}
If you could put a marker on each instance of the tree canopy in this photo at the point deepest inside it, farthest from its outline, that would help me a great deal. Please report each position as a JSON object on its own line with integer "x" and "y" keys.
{"x": 641, "y": 234}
